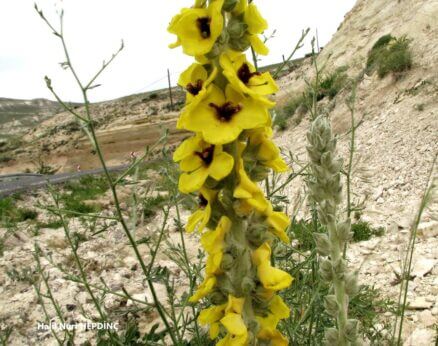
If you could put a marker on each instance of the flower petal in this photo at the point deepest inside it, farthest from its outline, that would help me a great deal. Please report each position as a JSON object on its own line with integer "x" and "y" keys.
{"x": 258, "y": 45}
{"x": 256, "y": 23}
{"x": 193, "y": 181}
{"x": 221, "y": 165}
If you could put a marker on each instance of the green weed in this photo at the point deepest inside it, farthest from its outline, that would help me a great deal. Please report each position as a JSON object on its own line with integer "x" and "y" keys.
{"x": 390, "y": 55}
{"x": 364, "y": 231}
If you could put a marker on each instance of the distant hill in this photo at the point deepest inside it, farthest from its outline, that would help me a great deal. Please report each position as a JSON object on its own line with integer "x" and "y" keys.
{"x": 18, "y": 116}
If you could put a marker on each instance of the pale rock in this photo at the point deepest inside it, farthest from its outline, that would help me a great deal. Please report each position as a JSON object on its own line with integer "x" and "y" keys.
{"x": 404, "y": 222}
{"x": 378, "y": 193}
{"x": 421, "y": 337}
{"x": 426, "y": 318}
{"x": 428, "y": 229}
{"x": 423, "y": 266}
{"x": 419, "y": 303}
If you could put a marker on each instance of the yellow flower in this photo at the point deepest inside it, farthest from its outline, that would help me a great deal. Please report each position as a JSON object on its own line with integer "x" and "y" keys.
{"x": 200, "y": 218}
{"x": 244, "y": 77}
{"x": 199, "y": 160}
{"x": 198, "y": 28}
{"x": 221, "y": 118}
{"x": 234, "y": 305}
{"x": 271, "y": 278}
{"x": 268, "y": 153}
{"x": 205, "y": 288}
{"x": 213, "y": 240}
{"x": 279, "y": 222}
{"x": 278, "y": 310}
{"x": 248, "y": 191}
{"x": 237, "y": 331}
{"x": 195, "y": 81}
{"x": 213, "y": 243}
{"x": 256, "y": 25}
{"x": 212, "y": 316}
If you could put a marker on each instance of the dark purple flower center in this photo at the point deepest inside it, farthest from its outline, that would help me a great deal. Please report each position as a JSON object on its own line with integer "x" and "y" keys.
{"x": 206, "y": 155}
{"x": 245, "y": 74}
{"x": 204, "y": 26}
{"x": 202, "y": 201}
{"x": 194, "y": 89}
{"x": 226, "y": 112}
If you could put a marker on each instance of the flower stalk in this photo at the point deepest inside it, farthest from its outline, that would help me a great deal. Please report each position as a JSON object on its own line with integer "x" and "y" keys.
{"x": 229, "y": 154}
{"x": 326, "y": 191}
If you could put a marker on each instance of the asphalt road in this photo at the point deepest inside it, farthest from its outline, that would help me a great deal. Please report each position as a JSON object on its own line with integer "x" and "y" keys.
{"x": 21, "y": 182}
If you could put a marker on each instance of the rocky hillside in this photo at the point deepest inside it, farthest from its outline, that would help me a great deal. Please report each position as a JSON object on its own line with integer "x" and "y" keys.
{"x": 396, "y": 143}
{"x": 18, "y": 116}
{"x": 123, "y": 125}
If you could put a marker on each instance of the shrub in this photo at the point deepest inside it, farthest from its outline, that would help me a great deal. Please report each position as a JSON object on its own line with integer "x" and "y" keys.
{"x": 390, "y": 55}
{"x": 10, "y": 213}
{"x": 332, "y": 83}
{"x": 86, "y": 188}
{"x": 363, "y": 231}
{"x": 280, "y": 121}
{"x": 26, "y": 214}
{"x": 150, "y": 205}
{"x": 52, "y": 224}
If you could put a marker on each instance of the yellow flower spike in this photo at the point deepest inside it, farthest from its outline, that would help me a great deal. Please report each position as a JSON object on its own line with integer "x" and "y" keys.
{"x": 205, "y": 288}
{"x": 200, "y": 218}
{"x": 271, "y": 278}
{"x": 197, "y": 29}
{"x": 222, "y": 117}
{"x": 195, "y": 81}
{"x": 199, "y": 160}
{"x": 244, "y": 77}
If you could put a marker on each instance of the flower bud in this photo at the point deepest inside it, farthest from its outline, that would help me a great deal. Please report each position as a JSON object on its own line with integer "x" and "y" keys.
{"x": 326, "y": 270}
{"x": 248, "y": 285}
{"x": 322, "y": 243}
{"x": 331, "y": 337}
{"x": 236, "y": 28}
{"x": 331, "y": 305}
{"x": 351, "y": 329}
{"x": 227, "y": 262}
{"x": 259, "y": 173}
{"x": 339, "y": 268}
{"x": 343, "y": 231}
{"x": 226, "y": 198}
{"x": 351, "y": 284}
{"x": 229, "y": 5}
{"x": 218, "y": 298}
{"x": 241, "y": 44}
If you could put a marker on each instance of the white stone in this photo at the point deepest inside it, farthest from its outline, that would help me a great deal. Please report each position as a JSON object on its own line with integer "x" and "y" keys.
{"x": 421, "y": 337}
{"x": 423, "y": 266}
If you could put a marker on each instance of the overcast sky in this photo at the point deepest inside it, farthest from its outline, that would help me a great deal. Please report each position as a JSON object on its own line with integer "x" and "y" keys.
{"x": 94, "y": 29}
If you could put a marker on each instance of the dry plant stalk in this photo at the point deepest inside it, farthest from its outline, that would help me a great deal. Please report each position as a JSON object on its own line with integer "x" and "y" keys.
{"x": 326, "y": 190}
